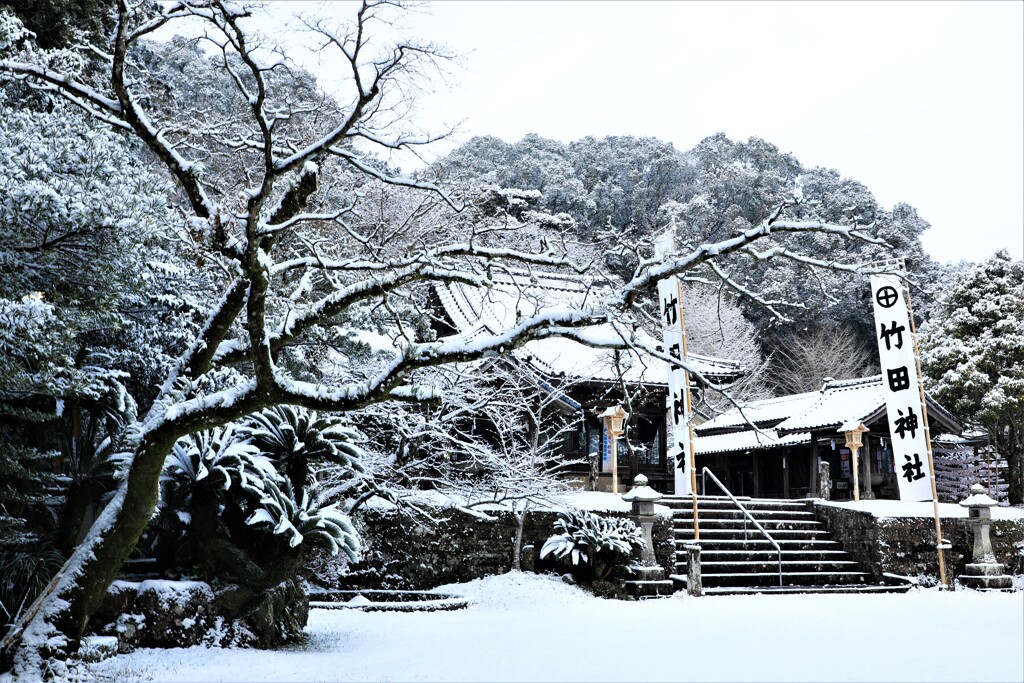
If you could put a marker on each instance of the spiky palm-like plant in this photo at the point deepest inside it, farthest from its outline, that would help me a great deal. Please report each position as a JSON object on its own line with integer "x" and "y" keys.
{"x": 296, "y": 439}
{"x": 589, "y": 540}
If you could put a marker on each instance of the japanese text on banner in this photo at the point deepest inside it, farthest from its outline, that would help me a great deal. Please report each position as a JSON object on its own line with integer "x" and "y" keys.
{"x": 678, "y": 395}
{"x": 901, "y": 386}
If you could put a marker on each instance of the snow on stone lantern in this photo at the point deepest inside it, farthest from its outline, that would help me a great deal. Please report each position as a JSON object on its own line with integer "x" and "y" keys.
{"x": 650, "y": 575}
{"x": 984, "y": 572}
{"x": 642, "y": 497}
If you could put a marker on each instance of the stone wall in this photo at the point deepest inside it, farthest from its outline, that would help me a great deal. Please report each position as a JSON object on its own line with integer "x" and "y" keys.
{"x": 906, "y": 545}
{"x": 161, "y": 613}
{"x": 408, "y": 552}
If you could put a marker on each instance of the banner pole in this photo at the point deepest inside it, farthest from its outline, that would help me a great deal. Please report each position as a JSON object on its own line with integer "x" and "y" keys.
{"x": 689, "y": 412}
{"x": 927, "y": 432}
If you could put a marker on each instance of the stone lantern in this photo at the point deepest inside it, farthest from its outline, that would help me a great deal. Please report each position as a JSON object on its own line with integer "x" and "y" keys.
{"x": 650, "y": 575}
{"x": 984, "y": 572}
{"x": 642, "y": 497}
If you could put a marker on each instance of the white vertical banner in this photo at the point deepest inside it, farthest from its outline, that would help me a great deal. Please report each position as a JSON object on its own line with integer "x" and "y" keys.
{"x": 902, "y": 388}
{"x": 677, "y": 437}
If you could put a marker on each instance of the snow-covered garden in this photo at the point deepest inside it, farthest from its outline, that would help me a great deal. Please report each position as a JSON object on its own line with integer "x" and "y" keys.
{"x": 528, "y": 627}
{"x": 245, "y": 356}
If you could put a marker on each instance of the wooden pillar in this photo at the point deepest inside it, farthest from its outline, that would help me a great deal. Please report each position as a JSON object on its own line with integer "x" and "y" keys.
{"x": 867, "y": 492}
{"x": 785, "y": 473}
{"x": 813, "y": 488}
{"x": 756, "y": 473}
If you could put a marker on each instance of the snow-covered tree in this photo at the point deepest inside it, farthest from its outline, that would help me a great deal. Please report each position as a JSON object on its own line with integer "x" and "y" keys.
{"x": 716, "y": 326}
{"x": 295, "y": 257}
{"x": 806, "y": 359}
{"x": 87, "y": 286}
{"x": 972, "y": 356}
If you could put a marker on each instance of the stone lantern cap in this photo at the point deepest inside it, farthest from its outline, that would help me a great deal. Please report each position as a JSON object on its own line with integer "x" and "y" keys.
{"x": 641, "y": 492}
{"x": 978, "y": 498}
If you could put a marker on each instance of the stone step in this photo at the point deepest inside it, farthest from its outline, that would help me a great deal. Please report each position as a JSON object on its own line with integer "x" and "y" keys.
{"x": 680, "y": 582}
{"x": 734, "y": 514}
{"x": 763, "y": 555}
{"x": 737, "y": 524}
{"x": 642, "y": 590}
{"x": 777, "y": 534}
{"x": 648, "y": 573}
{"x": 751, "y": 504}
{"x": 770, "y": 578}
{"x": 759, "y": 543}
{"x": 788, "y": 566}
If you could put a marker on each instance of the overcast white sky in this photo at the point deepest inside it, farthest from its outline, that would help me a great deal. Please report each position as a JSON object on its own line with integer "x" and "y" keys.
{"x": 922, "y": 102}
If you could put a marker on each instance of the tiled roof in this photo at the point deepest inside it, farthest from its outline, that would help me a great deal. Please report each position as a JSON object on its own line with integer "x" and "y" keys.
{"x": 766, "y": 412}
{"x": 475, "y": 310}
{"x": 793, "y": 417}
{"x": 748, "y": 440}
{"x": 839, "y": 402}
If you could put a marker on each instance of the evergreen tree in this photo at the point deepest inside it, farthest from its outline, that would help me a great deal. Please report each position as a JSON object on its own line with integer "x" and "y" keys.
{"x": 972, "y": 355}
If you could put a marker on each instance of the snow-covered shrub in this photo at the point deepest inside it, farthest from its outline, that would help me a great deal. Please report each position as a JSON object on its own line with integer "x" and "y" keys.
{"x": 230, "y": 517}
{"x": 218, "y": 487}
{"x": 27, "y": 556}
{"x": 298, "y": 521}
{"x": 296, "y": 439}
{"x": 589, "y": 541}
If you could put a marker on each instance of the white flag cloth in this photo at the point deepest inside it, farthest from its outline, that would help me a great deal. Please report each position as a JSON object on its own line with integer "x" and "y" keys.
{"x": 678, "y": 436}
{"x": 902, "y": 388}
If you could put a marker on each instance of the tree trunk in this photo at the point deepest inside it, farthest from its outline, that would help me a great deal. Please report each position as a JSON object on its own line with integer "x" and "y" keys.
{"x": 1010, "y": 448}
{"x": 80, "y": 508}
{"x": 78, "y": 589}
{"x": 517, "y": 544}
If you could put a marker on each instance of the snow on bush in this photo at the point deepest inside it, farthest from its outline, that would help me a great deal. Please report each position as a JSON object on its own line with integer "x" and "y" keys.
{"x": 603, "y": 543}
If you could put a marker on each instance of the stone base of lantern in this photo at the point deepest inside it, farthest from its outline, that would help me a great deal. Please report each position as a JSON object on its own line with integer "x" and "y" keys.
{"x": 650, "y": 582}
{"x": 987, "y": 577}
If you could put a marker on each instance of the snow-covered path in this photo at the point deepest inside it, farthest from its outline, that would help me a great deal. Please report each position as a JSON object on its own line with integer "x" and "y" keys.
{"x": 531, "y": 628}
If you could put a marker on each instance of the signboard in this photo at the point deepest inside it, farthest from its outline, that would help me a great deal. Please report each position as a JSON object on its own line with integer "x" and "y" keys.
{"x": 606, "y": 450}
{"x": 902, "y": 388}
{"x": 678, "y": 435}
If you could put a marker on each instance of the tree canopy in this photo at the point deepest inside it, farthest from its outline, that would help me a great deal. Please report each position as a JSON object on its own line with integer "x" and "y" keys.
{"x": 972, "y": 355}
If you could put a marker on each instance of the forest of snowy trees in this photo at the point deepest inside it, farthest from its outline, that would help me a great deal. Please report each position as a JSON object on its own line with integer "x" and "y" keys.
{"x": 216, "y": 333}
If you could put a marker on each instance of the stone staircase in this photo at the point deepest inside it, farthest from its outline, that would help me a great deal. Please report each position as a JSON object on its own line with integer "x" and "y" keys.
{"x": 812, "y": 561}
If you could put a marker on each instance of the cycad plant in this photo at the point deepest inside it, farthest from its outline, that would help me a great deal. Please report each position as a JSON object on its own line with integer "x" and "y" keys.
{"x": 297, "y": 439}
{"x": 228, "y": 512}
{"x": 589, "y": 541}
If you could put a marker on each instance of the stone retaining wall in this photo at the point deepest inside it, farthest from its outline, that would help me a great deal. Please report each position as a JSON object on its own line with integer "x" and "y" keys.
{"x": 906, "y": 545}
{"x": 161, "y": 613}
{"x": 406, "y": 552}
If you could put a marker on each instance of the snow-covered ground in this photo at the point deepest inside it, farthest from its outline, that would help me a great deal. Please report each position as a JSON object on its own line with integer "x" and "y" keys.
{"x": 526, "y": 627}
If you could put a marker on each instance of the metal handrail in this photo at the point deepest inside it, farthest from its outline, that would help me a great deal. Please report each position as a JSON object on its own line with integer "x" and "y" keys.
{"x": 746, "y": 514}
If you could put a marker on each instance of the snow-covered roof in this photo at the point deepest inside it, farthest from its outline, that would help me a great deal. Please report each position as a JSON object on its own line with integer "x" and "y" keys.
{"x": 476, "y": 311}
{"x": 839, "y": 402}
{"x": 768, "y": 411}
{"x": 748, "y": 440}
{"x": 793, "y": 417}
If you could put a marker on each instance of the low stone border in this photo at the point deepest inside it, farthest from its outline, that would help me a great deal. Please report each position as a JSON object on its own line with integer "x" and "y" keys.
{"x": 906, "y": 545}
{"x": 388, "y": 601}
